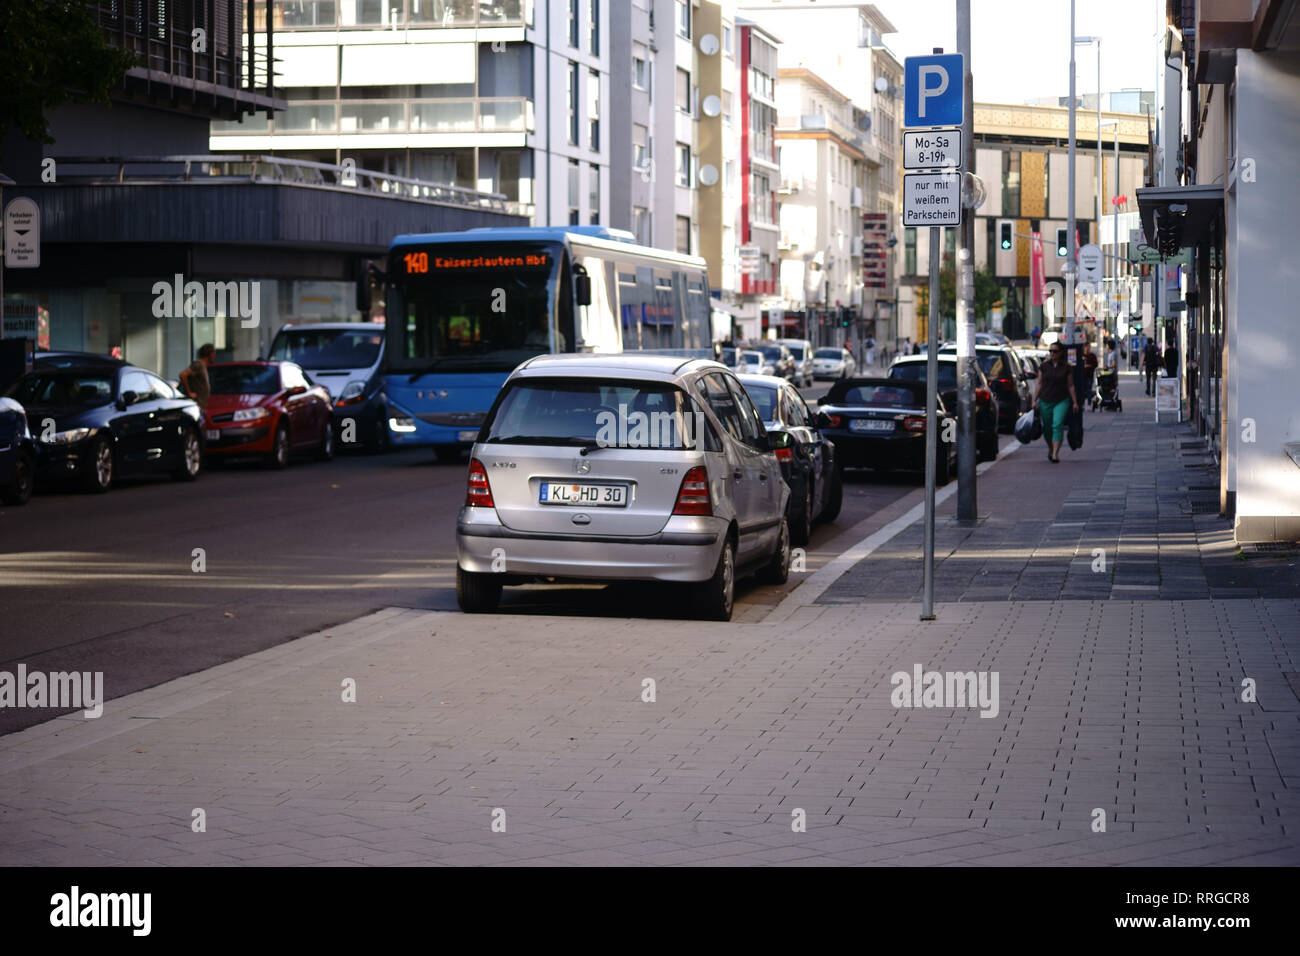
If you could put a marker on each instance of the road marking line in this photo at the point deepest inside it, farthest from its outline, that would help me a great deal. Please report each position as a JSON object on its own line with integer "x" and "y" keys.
{"x": 820, "y": 581}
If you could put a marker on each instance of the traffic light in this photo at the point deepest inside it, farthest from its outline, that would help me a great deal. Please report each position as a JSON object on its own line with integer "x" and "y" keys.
{"x": 1005, "y": 231}
{"x": 1062, "y": 243}
{"x": 844, "y": 318}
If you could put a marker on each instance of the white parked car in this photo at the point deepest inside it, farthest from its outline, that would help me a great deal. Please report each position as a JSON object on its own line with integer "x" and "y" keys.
{"x": 833, "y": 363}
{"x": 753, "y": 363}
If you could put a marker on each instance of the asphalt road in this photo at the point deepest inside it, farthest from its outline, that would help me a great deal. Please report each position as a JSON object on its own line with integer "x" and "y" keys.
{"x": 108, "y": 582}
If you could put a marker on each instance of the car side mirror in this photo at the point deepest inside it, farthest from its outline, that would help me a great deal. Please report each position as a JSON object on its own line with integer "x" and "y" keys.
{"x": 1030, "y": 373}
{"x": 128, "y": 398}
{"x": 780, "y": 441}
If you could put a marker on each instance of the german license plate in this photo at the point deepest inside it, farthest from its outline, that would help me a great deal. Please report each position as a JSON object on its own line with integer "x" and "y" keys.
{"x": 870, "y": 425}
{"x": 211, "y": 434}
{"x": 588, "y": 496}
{"x": 468, "y": 435}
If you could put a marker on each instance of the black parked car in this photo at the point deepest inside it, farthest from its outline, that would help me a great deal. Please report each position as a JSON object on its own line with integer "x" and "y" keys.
{"x": 1007, "y": 378}
{"x": 911, "y": 368}
{"x": 17, "y": 454}
{"x": 807, "y": 458}
{"x": 95, "y": 422}
{"x": 880, "y": 423}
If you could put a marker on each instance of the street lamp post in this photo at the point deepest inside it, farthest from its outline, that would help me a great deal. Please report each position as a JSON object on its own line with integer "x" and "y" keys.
{"x": 1114, "y": 218}
{"x": 1097, "y": 41}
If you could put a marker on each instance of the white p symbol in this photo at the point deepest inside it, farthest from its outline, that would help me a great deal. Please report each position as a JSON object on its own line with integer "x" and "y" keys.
{"x": 926, "y": 91}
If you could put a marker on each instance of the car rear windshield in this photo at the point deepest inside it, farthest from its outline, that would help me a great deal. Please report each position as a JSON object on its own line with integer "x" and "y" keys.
{"x": 828, "y": 354}
{"x": 796, "y": 351}
{"x": 915, "y": 372}
{"x": 329, "y": 348}
{"x": 752, "y": 356}
{"x": 85, "y": 389}
{"x": 900, "y": 396}
{"x": 244, "y": 379}
{"x": 765, "y": 400}
{"x": 603, "y": 413}
{"x": 772, "y": 351}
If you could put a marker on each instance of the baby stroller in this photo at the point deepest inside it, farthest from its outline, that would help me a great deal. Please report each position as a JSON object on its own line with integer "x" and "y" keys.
{"x": 1107, "y": 391}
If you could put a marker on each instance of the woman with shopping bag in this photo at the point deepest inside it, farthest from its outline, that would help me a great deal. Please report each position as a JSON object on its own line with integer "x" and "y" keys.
{"x": 1054, "y": 397}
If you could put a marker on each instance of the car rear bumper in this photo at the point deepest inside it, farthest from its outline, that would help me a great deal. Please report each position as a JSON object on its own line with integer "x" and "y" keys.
{"x": 686, "y": 549}
{"x": 902, "y": 451}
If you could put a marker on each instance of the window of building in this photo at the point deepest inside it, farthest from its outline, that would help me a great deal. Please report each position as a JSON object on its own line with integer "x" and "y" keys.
{"x": 684, "y": 235}
{"x": 593, "y": 198}
{"x": 640, "y": 73}
{"x": 684, "y": 18}
{"x": 727, "y": 40}
{"x": 593, "y": 27}
{"x": 640, "y": 146}
{"x": 641, "y": 225}
{"x": 573, "y": 192}
{"x": 683, "y": 165}
{"x": 729, "y": 173}
{"x": 593, "y": 110}
{"x": 1010, "y": 183}
{"x": 761, "y": 198}
{"x": 683, "y": 90}
{"x": 573, "y": 23}
{"x": 573, "y": 104}
{"x": 909, "y": 251}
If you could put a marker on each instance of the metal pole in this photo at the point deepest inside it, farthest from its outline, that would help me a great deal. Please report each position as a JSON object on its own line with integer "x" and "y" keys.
{"x": 931, "y": 402}
{"x": 1068, "y": 270}
{"x": 1114, "y": 221}
{"x": 966, "y": 491}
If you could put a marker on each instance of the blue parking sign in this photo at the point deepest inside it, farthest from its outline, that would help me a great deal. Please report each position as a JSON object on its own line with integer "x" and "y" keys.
{"x": 934, "y": 90}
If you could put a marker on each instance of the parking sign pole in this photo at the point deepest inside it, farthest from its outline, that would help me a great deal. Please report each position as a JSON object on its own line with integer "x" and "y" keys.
{"x": 931, "y": 402}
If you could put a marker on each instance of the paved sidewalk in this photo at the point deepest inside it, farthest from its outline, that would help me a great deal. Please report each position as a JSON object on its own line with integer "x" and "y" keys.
{"x": 1125, "y": 703}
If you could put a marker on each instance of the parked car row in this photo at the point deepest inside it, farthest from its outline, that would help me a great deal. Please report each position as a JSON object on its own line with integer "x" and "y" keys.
{"x": 85, "y": 420}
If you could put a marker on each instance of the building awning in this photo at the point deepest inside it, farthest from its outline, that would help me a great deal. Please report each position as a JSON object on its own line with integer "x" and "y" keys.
{"x": 1175, "y": 217}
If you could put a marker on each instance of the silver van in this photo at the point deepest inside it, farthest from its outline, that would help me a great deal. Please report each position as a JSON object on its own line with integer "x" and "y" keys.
{"x": 627, "y": 467}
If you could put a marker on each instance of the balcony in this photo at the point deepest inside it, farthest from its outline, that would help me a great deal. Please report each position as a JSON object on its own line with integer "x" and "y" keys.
{"x": 834, "y": 125}
{"x": 389, "y": 14}
{"x": 500, "y": 115}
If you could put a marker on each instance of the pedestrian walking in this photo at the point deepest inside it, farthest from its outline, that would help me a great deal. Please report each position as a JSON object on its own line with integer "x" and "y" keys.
{"x": 1113, "y": 356}
{"x": 1171, "y": 360}
{"x": 1054, "y": 397}
{"x": 1151, "y": 365}
{"x": 870, "y": 357}
{"x": 194, "y": 379}
{"x": 1089, "y": 368}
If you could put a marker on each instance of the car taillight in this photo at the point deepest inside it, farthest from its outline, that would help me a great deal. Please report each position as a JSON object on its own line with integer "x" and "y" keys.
{"x": 835, "y": 420}
{"x": 785, "y": 454}
{"x": 693, "y": 496}
{"x": 982, "y": 395}
{"x": 1004, "y": 384}
{"x": 914, "y": 423}
{"x": 478, "y": 493}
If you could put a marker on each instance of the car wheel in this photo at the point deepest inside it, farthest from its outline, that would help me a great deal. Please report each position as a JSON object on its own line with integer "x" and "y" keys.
{"x": 447, "y": 454}
{"x": 279, "y": 456}
{"x": 378, "y": 443}
{"x": 716, "y": 596}
{"x": 777, "y": 571}
{"x": 21, "y": 483}
{"x": 834, "y": 497}
{"x": 191, "y": 457}
{"x": 326, "y": 450}
{"x": 477, "y": 593}
{"x": 98, "y": 476}
{"x": 801, "y": 526}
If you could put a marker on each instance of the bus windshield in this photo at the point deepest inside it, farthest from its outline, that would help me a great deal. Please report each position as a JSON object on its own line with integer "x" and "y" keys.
{"x": 473, "y": 308}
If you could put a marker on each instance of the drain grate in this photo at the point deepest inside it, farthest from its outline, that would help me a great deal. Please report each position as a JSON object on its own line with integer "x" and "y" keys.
{"x": 1205, "y": 507}
{"x": 1270, "y": 547}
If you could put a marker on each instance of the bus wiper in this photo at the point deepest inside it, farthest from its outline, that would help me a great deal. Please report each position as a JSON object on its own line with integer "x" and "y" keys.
{"x": 424, "y": 371}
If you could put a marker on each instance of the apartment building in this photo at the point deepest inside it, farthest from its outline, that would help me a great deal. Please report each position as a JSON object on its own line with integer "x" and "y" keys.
{"x": 508, "y": 97}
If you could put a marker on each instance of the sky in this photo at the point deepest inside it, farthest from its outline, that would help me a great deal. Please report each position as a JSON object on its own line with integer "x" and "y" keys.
{"x": 1020, "y": 48}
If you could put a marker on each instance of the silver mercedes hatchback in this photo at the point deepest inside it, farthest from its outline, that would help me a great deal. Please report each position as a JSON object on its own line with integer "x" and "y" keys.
{"x": 626, "y": 467}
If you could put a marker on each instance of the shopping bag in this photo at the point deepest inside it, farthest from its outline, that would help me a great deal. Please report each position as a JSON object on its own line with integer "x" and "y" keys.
{"x": 1028, "y": 427}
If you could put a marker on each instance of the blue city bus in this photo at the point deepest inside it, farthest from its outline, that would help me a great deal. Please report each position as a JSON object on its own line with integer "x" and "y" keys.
{"x": 464, "y": 309}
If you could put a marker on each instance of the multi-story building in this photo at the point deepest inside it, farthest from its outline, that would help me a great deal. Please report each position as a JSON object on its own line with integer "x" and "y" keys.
{"x": 118, "y": 224}
{"x": 511, "y": 97}
{"x": 1021, "y": 157}
{"x": 848, "y": 103}
{"x": 1223, "y": 211}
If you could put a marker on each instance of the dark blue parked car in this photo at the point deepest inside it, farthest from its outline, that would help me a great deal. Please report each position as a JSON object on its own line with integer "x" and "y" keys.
{"x": 17, "y": 454}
